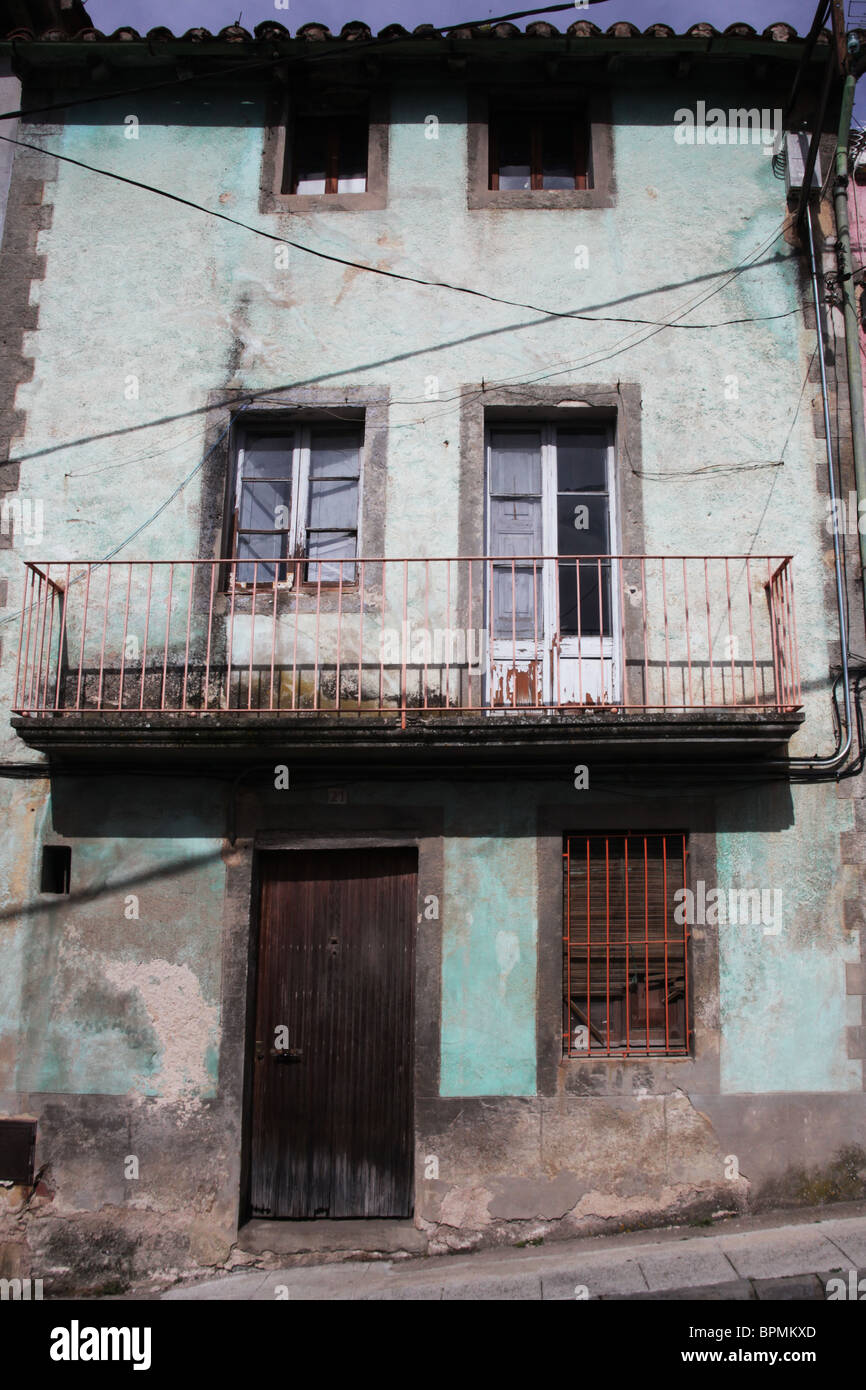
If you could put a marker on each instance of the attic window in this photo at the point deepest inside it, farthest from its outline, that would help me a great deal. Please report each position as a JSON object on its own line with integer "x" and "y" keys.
{"x": 326, "y": 148}
{"x": 329, "y": 152}
{"x": 538, "y": 150}
{"x": 548, "y": 146}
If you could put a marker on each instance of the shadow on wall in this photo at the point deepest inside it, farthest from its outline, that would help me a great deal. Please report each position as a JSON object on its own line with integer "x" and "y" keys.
{"x": 43, "y": 904}
{"x": 144, "y": 807}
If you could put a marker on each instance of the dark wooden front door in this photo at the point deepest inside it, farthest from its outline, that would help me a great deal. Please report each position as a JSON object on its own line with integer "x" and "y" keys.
{"x": 332, "y": 1115}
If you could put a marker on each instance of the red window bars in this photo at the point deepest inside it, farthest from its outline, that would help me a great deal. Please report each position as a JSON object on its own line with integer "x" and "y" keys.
{"x": 625, "y": 957}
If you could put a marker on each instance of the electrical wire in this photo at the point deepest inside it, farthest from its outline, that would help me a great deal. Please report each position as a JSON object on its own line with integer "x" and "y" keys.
{"x": 698, "y": 298}
{"x": 247, "y": 66}
{"x": 379, "y": 270}
{"x": 654, "y": 324}
{"x": 12, "y": 617}
{"x": 527, "y": 380}
{"x": 146, "y": 457}
{"x": 545, "y": 374}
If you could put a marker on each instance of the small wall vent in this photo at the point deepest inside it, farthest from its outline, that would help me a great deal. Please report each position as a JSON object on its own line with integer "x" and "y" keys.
{"x": 17, "y": 1150}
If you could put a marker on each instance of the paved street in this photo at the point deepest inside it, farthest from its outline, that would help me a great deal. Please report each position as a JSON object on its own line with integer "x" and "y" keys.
{"x": 787, "y": 1256}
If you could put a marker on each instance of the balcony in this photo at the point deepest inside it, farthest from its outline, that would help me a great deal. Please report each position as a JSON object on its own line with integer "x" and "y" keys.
{"x": 627, "y": 651}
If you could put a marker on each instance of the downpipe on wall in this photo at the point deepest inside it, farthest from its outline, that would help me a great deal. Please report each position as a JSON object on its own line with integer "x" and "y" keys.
{"x": 821, "y": 767}
{"x": 830, "y": 764}
{"x": 817, "y": 768}
{"x": 849, "y": 307}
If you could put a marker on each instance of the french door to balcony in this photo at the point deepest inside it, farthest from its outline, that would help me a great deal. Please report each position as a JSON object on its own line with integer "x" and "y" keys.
{"x": 553, "y": 591}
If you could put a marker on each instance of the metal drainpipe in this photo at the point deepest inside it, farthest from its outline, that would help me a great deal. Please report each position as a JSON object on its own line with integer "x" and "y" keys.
{"x": 849, "y": 308}
{"x": 837, "y": 758}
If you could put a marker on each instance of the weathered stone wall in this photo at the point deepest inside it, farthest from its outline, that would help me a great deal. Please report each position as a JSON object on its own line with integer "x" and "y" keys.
{"x": 125, "y": 1034}
{"x": 131, "y": 1032}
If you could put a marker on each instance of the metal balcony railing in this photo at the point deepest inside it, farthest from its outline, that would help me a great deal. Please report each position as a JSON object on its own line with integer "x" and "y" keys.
{"x": 376, "y": 637}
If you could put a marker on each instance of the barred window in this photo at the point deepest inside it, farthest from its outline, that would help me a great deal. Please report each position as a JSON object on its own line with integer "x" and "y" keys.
{"x": 625, "y": 957}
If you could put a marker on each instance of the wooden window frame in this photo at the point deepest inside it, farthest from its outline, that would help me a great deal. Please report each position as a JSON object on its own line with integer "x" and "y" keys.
{"x": 595, "y": 1041}
{"x": 277, "y": 172}
{"x": 549, "y": 432}
{"x": 333, "y": 138}
{"x": 580, "y": 133}
{"x": 296, "y": 561}
{"x": 588, "y": 103}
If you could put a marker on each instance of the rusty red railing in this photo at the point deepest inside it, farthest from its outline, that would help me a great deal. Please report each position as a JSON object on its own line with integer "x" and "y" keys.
{"x": 401, "y": 636}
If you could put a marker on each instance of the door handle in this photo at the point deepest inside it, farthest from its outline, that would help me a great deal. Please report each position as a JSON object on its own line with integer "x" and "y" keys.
{"x": 286, "y": 1054}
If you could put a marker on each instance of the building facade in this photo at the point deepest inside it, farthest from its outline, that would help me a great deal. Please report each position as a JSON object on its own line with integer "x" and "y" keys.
{"x": 421, "y": 798}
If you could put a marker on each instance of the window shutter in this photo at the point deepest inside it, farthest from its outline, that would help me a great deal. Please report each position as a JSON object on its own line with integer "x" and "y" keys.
{"x": 516, "y": 530}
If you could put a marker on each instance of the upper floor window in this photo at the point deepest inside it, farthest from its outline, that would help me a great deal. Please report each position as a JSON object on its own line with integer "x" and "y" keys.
{"x": 538, "y": 150}
{"x": 326, "y": 148}
{"x": 550, "y": 494}
{"x": 295, "y": 514}
{"x": 532, "y": 148}
{"x": 329, "y": 153}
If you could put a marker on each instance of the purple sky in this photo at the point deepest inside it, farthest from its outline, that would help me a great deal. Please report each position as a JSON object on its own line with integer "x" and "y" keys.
{"x": 180, "y": 15}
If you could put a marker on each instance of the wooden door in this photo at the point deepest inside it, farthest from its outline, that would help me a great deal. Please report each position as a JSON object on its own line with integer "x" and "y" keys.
{"x": 332, "y": 1114}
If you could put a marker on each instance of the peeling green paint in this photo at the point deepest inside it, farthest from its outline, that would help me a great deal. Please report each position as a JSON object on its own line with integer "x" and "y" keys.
{"x": 784, "y": 1011}
{"x": 76, "y": 995}
{"x": 184, "y": 302}
{"x": 489, "y": 965}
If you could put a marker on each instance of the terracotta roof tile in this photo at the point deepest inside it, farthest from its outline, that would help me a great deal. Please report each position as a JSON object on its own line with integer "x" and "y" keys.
{"x": 355, "y": 31}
